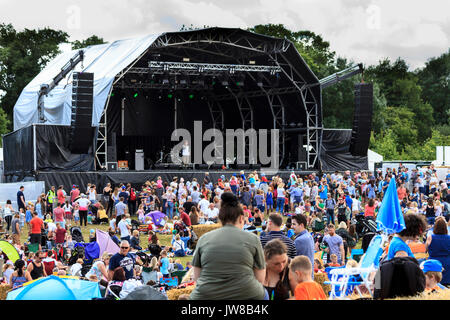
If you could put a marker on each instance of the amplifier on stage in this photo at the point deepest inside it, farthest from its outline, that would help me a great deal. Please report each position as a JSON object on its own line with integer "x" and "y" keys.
{"x": 122, "y": 164}
{"x": 111, "y": 166}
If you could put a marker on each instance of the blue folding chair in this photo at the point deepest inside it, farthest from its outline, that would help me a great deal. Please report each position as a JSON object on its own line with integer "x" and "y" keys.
{"x": 344, "y": 280}
{"x": 356, "y": 254}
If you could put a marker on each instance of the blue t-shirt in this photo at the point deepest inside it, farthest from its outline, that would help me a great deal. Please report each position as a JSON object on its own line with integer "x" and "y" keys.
{"x": 164, "y": 266}
{"x": 19, "y": 200}
{"x": 324, "y": 192}
{"x": 124, "y": 194}
{"x": 397, "y": 245}
{"x": 126, "y": 262}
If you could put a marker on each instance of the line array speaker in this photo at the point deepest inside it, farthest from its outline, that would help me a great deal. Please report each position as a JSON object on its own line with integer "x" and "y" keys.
{"x": 362, "y": 119}
{"x": 81, "y": 130}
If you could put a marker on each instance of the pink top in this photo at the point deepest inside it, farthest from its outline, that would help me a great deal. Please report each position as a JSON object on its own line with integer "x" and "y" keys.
{"x": 369, "y": 211}
{"x": 59, "y": 214}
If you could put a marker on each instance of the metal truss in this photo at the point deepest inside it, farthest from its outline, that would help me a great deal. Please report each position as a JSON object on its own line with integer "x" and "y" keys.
{"x": 161, "y": 67}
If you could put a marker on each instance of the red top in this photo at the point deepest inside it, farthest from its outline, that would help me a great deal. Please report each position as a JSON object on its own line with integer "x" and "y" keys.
{"x": 36, "y": 225}
{"x": 185, "y": 218}
{"x": 61, "y": 197}
{"x": 60, "y": 235}
{"x": 74, "y": 194}
{"x": 369, "y": 211}
{"x": 59, "y": 214}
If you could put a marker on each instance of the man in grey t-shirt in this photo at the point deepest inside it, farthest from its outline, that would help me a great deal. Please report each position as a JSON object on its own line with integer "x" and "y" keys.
{"x": 335, "y": 244}
{"x": 121, "y": 209}
{"x": 15, "y": 223}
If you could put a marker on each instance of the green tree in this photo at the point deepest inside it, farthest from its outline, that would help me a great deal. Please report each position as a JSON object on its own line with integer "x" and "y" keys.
{"x": 434, "y": 79}
{"x": 92, "y": 40}
{"x": 23, "y": 54}
{"x": 385, "y": 144}
{"x": 400, "y": 121}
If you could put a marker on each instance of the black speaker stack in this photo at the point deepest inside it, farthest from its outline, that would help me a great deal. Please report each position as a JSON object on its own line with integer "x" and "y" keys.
{"x": 362, "y": 119}
{"x": 81, "y": 130}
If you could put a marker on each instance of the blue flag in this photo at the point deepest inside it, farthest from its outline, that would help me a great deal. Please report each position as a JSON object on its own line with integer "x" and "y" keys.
{"x": 390, "y": 217}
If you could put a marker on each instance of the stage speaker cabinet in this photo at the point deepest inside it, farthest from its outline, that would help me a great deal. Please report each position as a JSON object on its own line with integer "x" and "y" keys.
{"x": 112, "y": 154}
{"x": 362, "y": 119}
{"x": 139, "y": 160}
{"x": 111, "y": 166}
{"x": 301, "y": 165}
{"x": 81, "y": 136}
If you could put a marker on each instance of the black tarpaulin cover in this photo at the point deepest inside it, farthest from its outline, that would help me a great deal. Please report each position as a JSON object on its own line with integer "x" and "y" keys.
{"x": 335, "y": 152}
{"x": 53, "y": 154}
{"x": 18, "y": 153}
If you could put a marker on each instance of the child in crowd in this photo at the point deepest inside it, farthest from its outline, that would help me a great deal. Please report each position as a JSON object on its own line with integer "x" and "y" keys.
{"x": 300, "y": 270}
{"x": 28, "y": 216}
{"x": 334, "y": 262}
{"x": 140, "y": 214}
{"x": 90, "y": 217}
{"x": 75, "y": 270}
{"x": 318, "y": 268}
{"x": 68, "y": 212}
{"x": 433, "y": 275}
{"x": 21, "y": 218}
{"x": 76, "y": 214}
{"x": 48, "y": 218}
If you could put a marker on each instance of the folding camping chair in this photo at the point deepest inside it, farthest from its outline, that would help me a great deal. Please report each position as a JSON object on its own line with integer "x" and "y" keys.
{"x": 344, "y": 280}
{"x": 357, "y": 254}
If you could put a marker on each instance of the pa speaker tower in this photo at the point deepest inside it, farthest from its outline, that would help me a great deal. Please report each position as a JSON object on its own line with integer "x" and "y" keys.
{"x": 362, "y": 119}
{"x": 81, "y": 130}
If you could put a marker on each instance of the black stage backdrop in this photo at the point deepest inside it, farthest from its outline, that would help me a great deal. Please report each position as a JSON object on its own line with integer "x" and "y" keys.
{"x": 335, "y": 154}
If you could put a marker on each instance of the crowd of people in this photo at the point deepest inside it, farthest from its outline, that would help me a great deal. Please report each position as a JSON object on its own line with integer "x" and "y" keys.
{"x": 267, "y": 248}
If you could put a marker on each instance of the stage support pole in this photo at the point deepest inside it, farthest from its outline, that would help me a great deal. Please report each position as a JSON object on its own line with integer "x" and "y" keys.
{"x": 123, "y": 116}
{"x": 175, "y": 115}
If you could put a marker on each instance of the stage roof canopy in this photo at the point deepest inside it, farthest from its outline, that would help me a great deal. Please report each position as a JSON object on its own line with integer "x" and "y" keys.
{"x": 108, "y": 61}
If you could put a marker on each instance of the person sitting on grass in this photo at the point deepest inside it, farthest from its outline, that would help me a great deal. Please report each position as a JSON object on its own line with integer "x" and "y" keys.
{"x": 433, "y": 275}
{"x": 134, "y": 241}
{"x": 300, "y": 270}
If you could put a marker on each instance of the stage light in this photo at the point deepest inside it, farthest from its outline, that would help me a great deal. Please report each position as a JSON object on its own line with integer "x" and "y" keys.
{"x": 135, "y": 95}
{"x": 191, "y": 96}
{"x": 112, "y": 94}
{"x": 252, "y": 62}
{"x": 170, "y": 96}
{"x": 186, "y": 59}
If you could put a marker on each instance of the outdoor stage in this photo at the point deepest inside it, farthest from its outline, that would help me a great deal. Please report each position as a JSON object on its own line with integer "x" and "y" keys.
{"x": 133, "y": 96}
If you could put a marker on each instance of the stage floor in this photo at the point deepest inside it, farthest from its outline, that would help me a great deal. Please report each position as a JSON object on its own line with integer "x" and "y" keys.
{"x": 137, "y": 178}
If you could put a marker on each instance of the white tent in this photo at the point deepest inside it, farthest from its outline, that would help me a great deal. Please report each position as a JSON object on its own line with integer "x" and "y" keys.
{"x": 372, "y": 158}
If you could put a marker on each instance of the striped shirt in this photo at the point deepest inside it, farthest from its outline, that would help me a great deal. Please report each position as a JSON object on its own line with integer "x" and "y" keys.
{"x": 292, "y": 252}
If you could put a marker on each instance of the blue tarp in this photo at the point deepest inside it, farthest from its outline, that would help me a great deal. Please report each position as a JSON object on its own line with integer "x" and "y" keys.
{"x": 105, "y": 61}
{"x": 56, "y": 288}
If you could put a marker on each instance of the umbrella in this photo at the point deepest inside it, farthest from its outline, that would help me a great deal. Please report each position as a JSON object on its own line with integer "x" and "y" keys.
{"x": 157, "y": 217}
{"x": 390, "y": 217}
{"x": 106, "y": 243}
{"x": 9, "y": 250}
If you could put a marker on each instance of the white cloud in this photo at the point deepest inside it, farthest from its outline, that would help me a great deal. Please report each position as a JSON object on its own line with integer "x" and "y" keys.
{"x": 412, "y": 29}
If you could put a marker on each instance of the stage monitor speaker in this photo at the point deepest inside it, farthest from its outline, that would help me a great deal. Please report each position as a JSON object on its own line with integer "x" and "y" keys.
{"x": 81, "y": 130}
{"x": 201, "y": 166}
{"x": 362, "y": 119}
{"x": 139, "y": 160}
{"x": 111, "y": 166}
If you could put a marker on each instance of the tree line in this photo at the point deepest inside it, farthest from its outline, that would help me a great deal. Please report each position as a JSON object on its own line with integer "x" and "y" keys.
{"x": 411, "y": 107}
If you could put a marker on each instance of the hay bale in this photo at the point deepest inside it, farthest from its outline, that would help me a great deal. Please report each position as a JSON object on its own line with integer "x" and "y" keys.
{"x": 320, "y": 278}
{"x": 4, "y": 289}
{"x": 175, "y": 293}
{"x": 201, "y": 229}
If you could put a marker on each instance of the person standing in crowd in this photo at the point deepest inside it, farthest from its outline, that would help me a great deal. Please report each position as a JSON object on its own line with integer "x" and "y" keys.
{"x": 124, "y": 229}
{"x": 36, "y": 225}
{"x": 120, "y": 210}
{"x": 330, "y": 205}
{"x": 234, "y": 271}
{"x": 74, "y": 193}
{"x": 8, "y": 213}
{"x": 58, "y": 214}
{"x": 170, "y": 202}
{"x": 61, "y": 195}
{"x": 335, "y": 244}
{"x": 124, "y": 194}
{"x": 83, "y": 204}
{"x": 132, "y": 199}
{"x": 107, "y": 191}
{"x": 281, "y": 198}
{"x": 51, "y": 197}
{"x": 303, "y": 241}
{"x": 40, "y": 206}
{"x": 16, "y": 229}
{"x": 92, "y": 194}
{"x": 21, "y": 204}
{"x": 274, "y": 232}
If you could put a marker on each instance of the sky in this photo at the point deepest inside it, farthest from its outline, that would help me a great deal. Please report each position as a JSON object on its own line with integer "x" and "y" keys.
{"x": 361, "y": 30}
